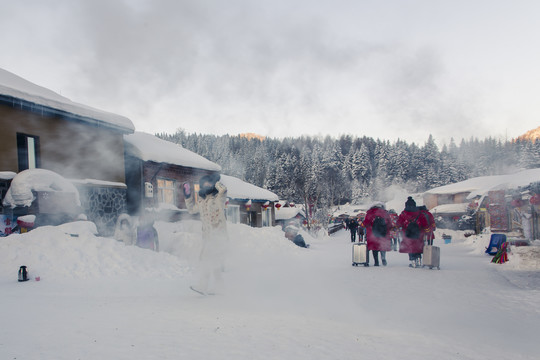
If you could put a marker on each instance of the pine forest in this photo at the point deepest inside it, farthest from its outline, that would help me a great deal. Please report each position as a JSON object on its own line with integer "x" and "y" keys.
{"x": 327, "y": 171}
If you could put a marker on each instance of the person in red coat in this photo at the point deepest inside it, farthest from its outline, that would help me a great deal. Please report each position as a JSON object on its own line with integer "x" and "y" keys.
{"x": 429, "y": 231}
{"x": 378, "y": 225}
{"x": 412, "y": 223}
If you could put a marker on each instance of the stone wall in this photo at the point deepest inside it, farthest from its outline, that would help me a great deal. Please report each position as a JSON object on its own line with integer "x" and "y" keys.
{"x": 103, "y": 205}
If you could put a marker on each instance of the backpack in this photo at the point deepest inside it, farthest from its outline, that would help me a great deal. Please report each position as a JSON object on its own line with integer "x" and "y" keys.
{"x": 413, "y": 229}
{"x": 379, "y": 227}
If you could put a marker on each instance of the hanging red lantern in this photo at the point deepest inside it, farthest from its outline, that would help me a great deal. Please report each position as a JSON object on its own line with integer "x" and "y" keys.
{"x": 278, "y": 205}
{"x": 248, "y": 205}
{"x": 535, "y": 199}
{"x": 266, "y": 205}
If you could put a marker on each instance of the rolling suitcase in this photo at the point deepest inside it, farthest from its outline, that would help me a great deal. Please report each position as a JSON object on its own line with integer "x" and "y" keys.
{"x": 432, "y": 256}
{"x": 360, "y": 254}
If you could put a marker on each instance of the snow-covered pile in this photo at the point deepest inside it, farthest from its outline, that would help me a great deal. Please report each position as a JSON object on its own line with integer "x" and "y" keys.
{"x": 74, "y": 250}
{"x": 22, "y": 185}
{"x": 523, "y": 258}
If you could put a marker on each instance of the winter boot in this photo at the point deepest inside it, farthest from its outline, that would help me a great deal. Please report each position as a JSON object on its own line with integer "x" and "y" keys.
{"x": 383, "y": 257}
{"x": 376, "y": 257}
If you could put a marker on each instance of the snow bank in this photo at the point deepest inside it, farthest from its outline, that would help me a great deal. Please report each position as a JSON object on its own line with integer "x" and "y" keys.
{"x": 74, "y": 251}
{"x": 522, "y": 258}
{"x": 22, "y": 185}
{"x": 183, "y": 240}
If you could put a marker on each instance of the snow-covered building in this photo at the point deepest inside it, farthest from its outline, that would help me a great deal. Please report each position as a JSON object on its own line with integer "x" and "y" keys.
{"x": 468, "y": 190}
{"x": 42, "y": 129}
{"x": 287, "y": 213}
{"x": 156, "y": 169}
{"x": 249, "y": 204}
{"x": 491, "y": 199}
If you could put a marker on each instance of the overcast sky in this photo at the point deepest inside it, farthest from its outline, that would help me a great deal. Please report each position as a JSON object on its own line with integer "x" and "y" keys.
{"x": 386, "y": 69}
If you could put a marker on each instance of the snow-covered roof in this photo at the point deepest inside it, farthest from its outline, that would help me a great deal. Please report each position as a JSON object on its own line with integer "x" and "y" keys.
{"x": 101, "y": 183}
{"x": 350, "y": 209}
{"x": 479, "y": 186}
{"x": 450, "y": 209}
{"x": 18, "y": 91}
{"x": 7, "y": 175}
{"x": 284, "y": 213}
{"x": 239, "y": 189}
{"x": 148, "y": 147}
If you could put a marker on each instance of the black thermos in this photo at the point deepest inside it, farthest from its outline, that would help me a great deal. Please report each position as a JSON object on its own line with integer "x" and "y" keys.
{"x": 23, "y": 273}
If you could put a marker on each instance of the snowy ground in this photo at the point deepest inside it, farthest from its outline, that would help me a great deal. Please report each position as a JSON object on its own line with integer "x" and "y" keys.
{"x": 98, "y": 299}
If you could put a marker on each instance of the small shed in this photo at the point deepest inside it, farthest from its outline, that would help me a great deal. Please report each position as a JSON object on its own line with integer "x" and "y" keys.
{"x": 287, "y": 213}
{"x": 249, "y": 204}
{"x": 155, "y": 170}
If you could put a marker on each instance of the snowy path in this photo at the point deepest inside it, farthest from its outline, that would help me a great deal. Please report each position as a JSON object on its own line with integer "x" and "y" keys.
{"x": 300, "y": 304}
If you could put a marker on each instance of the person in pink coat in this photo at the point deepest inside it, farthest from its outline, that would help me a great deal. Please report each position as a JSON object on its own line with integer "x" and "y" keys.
{"x": 412, "y": 223}
{"x": 394, "y": 229}
{"x": 378, "y": 225}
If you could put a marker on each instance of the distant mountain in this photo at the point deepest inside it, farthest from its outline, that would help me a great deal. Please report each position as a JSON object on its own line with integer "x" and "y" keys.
{"x": 250, "y": 136}
{"x": 530, "y": 135}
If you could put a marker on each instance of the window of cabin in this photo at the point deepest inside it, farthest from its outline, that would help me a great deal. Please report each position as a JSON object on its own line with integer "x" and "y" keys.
{"x": 267, "y": 217}
{"x": 252, "y": 218}
{"x": 28, "y": 151}
{"x": 165, "y": 191}
{"x": 233, "y": 213}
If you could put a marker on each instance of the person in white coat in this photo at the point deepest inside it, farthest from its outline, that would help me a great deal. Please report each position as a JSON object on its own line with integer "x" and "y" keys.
{"x": 526, "y": 225}
{"x": 210, "y": 204}
{"x": 125, "y": 230}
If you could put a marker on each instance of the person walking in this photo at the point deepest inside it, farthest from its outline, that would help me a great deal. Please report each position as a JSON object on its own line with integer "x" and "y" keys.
{"x": 377, "y": 223}
{"x": 394, "y": 230}
{"x": 353, "y": 228}
{"x": 210, "y": 204}
{"x": 411, "y": 223}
